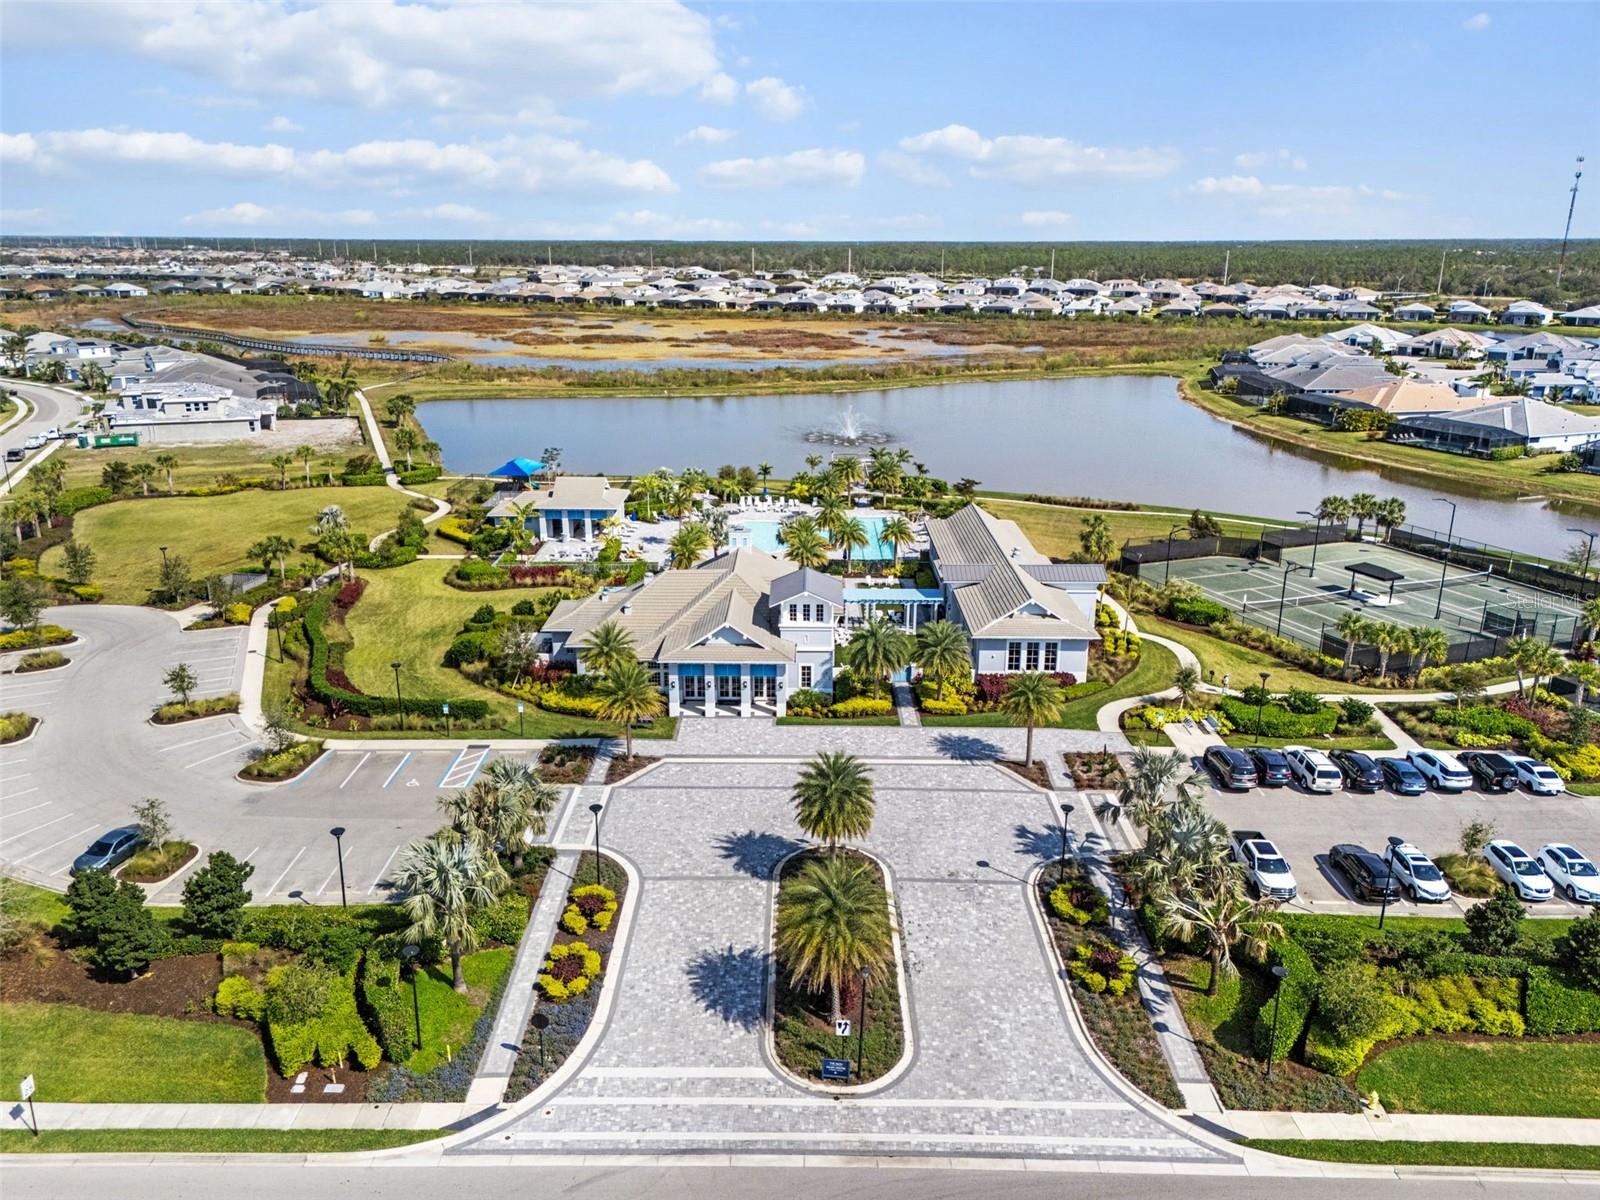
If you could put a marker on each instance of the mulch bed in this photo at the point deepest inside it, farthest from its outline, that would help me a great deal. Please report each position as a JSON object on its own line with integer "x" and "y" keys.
{"x": 1034, "y": 773}
{"x": 565, "y": 764}
{"x": 281, "y": 1090}
{"x": 620, "y": 768}
{"x": 173, "y": 987}
{"x": 1097, "y": 769}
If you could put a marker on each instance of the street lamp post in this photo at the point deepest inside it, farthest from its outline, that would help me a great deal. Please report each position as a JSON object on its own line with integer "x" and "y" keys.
{"x": 595, "y": 809}
{"x": 1066, "y": 814}
{"x": 1167, "y": 575}
{"x": 1449, "y": 541}
{"x": 1306, "y": 512}
{"x": 1389, "y": 883}
{"x": 338, "y": 841}
{"x": 541, "y": 1023}
{"x": 1282, "y": 973}
{"x": 1283, "y": 592}
{"x": 522, "y": 721}
{"x": 865, "y": 974}
{"x": 1261, "y": 704}
{"x": 1589, "y": 551}
{"x": 410, "y": 952}
{"x": 163, "y": 550}
{"x": 399, "y": 704}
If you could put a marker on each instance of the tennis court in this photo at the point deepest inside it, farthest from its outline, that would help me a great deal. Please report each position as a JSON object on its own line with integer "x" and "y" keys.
{"x": 1383, "y": 584}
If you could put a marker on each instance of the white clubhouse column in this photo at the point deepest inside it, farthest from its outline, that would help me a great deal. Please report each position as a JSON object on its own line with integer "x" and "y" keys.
{"x": 744, "y": 689}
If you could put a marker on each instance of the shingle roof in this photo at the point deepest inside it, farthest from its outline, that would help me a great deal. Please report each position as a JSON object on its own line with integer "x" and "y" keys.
{"x": 986, "y": 562}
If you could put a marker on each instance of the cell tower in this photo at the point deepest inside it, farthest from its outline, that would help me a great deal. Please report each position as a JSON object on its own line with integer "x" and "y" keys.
{"x": 1577, "y": 177}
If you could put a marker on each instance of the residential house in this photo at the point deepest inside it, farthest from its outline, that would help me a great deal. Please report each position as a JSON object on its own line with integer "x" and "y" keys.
{"x": 1415, "y": 311}
{"x": 1582, "y": 316}
{"x": 1516, "y": 421}
{"x": 569, "y": 508}
{"x": 1469, "y": 313}
{"x": 1526, "y": 312}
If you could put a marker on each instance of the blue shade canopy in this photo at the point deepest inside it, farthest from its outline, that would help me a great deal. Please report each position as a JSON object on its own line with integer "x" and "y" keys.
{"x": 518, "y": 468}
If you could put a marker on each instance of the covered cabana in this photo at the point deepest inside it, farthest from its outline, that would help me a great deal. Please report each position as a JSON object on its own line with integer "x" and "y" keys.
{"x": 520, "y": 469}
{"x": 1380, "y": 575}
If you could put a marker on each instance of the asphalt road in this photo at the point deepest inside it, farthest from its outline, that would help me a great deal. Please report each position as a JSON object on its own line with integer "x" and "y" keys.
{"x": 52, "y": 409}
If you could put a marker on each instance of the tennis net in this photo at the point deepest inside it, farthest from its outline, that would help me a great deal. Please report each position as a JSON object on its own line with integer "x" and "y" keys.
{"x": 1334, "y": 595}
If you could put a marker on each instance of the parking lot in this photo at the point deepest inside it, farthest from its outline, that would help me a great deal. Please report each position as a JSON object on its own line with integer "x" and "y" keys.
{"x": 1305, "y": 826}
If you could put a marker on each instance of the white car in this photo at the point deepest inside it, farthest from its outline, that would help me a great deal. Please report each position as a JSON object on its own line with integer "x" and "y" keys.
{"x": 1572, "y": 872}
{"x": 1267, "y": 869}
{"x": 33, "y": 443}
{"x": 1423, "y": 880}
{"x": 1521, "y": 874}
{"x": 1313, "y": 769}
{"x": 1539, "y": 778}
{"x": 1441, "y": 769}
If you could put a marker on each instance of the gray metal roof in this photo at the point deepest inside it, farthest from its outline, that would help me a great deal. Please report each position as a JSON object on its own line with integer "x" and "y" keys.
{"x": 807, "y": 581}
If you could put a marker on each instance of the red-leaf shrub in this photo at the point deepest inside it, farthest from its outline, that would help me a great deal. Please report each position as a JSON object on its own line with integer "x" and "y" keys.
{"x": 991, "y": 687}
{"x": 350, "y": 592}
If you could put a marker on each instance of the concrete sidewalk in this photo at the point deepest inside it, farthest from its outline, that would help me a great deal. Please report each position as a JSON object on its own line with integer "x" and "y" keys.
{"x": 1409, "y": 1127}
{"x": 238, "y": 1116}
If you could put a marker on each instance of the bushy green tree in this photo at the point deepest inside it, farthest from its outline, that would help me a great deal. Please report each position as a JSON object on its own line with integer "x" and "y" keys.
{"x": 80, "y": 560}
{"x": 90, "y": 898}
{"x": 1350, "y": 1002}
{"x": 130, "y": 937}
{"x": 1493, "y": 925}
{"x": 214, "y": 896}
{"x": 1579, "y": 949}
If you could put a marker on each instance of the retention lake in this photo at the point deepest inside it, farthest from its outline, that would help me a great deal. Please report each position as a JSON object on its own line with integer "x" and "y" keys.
{"x": 1124, "y": 437}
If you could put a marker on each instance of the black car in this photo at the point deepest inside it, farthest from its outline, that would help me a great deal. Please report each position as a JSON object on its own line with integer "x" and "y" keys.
{"x": 109, "y": 850}
{"x": 1361, "y": 772}
{"x": 1494, "y": 772}
{"x": 1231, "y": 768}
{"x": 1272, "y": 766}
{"x": 1369, "y": 876}
{"x": 1402, "y": 777}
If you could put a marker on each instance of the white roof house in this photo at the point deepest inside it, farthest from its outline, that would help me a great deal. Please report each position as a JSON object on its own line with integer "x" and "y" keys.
{"x": 1526, "y": 312}
{"x": 1582, "y": 316}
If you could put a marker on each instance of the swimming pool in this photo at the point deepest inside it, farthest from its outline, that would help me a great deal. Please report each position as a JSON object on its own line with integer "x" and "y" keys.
{"x": 763, "y": 535}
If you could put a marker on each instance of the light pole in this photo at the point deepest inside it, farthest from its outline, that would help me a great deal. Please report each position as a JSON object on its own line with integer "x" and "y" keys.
{"x": 163, "y": 550}
{"x": 1261, "y": 704}
{"x": 399, "y": 704}
{"x": 1168, "y": 573}
{"x": 522, "y": 720}
{"x": 595, "y": 809}
{"x": 410, "y": 952}
{"x": 1066, "y": 813}
{"x": 338, "y": 841}
{"x": 1306, "y": 512}
{"x": 1589, "y": 552}
{"x": 1283, "y": 593}
{"x": 865, "y": 974}
{"x": 1449, "y": 541}
{"x": 446, "y": 708}
{"x": 1282, "y": 973}
{"x": 1389, "y": 883}
{"x": 541, "y": 1023}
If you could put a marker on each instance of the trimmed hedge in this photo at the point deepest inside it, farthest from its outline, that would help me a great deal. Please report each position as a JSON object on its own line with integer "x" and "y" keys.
{"x": 1554, "y": 1006}
{"x": 1277, "y": 721}
{"x": 1196, "y": 610}
{"x": 420, "y": 475}
{"x": 453, "y": 529}
{"x": 861, "y": 706}
{"x": 1446, "y": 1004}
{"x": 385, "y": 1002}
{"x": 330, "y": 1038}
{"x": 1296, "y": 997}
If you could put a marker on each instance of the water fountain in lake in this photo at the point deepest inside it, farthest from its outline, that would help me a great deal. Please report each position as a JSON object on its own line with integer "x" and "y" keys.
{"x": 849, "y": 430}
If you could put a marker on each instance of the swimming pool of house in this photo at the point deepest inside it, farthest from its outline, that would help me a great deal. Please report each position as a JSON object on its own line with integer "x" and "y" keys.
{"x": 763, "y": 535}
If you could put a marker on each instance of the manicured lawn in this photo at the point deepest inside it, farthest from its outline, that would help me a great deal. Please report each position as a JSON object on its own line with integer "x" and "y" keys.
{"x": 213, "y": 532}
{"x": 210, "y": 1141}
{"x": 81, "y": 1056}
{"x": 1157, "y": 666}
{"x": 1532, "y": 1155}
{"x": 1502, "y": 1077}
{"x": 1244, "y": 665}
{"x": 199, "y": 466}
{"x": 447, "y": 1015}
{"x": 1358, "y": 742}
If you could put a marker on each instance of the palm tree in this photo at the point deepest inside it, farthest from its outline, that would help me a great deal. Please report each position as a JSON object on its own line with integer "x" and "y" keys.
{"x": 628, "y": 695}
{"x": 168, "y": 462}
{"x": 1363, "y": 507}
{"x": 1334, "y": 510}
{"x": 1152, "y": 774}
{"x": 1391, "y": 515}
{"x": 1096, "y": 538}
{"x": 498, "y": 814}
{"x": 847, "y": 469}
{"x": 717, "y": 526}
{"x": 850, "y": 534}
{"x": 337, "y": 389}
{"x": 406, "y": 441}
{"x": 686, "y": 546}
{"x": 1187, "y": 681}
{"x": 283, "y": 462}
{"x": 1354, "y": 629}
{"x": 1222, "y": 916}
{"x": 607, "y": 647}
{"x": 1428, "y": 647}
{"x": 764, "y": 469}
{"x": 1388, "y": 638}
{"x": 680, "y": 500}
{"x": 830, "y": 511}
{"x": 943, "y": 649}
{"x": 329, "y": 519}
{"x": 1542, "y": 661}
{"x": 433, "y": 451}
{"x": 833, "y": 798}
{"x": 274, "y": 549}
{"x": 521, "y": 791}
{"x": 1033, "y": 699}
{"x": 445, "y": 880}
{"x": 1591, "y": 617}
{"x": 400, "y": 407}
{"x": 1523, "y": 652}
{"x": 305, "y": 454}
{"x": 878, "y": 649}
{"x": 1587, "y": 676}
{"x": 813, "y": 461}
{"x": 833, "y": 920}
{"x": 803, "y": 543}
{"x": 885, "y": 473}
{"x": 144, "y": 472}
{"x": 897, "y": 532}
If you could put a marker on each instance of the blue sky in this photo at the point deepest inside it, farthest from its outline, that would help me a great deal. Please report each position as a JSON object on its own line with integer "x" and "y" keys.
{"x": 1031, "y": 121}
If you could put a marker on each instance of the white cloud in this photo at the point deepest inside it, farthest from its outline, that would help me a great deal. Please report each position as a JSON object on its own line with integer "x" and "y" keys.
{"x": 707, "y": 134}
{"x": 526, "y": 162}
{"x": 1476, "y": 23}
{"x": 1254, "y": 160}
{"x": 1045, "y": 219}
{"x": 1284, "y": 201}
{"x": 12, "y": 219}
{"x": 801, "y": 168}
{"x": 283, "y": 125}
{"x": 775, "y": 99}
{"x": 249, "y": 215}
{"x": 646, "y": 223}
{"x": 912, "y": 169}
{"x": 387, "y": 53}
{"x": 463, "y": 214}
{"x": 1031, "y": 159}
{"x": 719, "y": 89}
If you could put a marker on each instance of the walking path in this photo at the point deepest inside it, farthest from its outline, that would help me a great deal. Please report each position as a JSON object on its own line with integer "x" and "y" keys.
{"x": 905, "y": 705}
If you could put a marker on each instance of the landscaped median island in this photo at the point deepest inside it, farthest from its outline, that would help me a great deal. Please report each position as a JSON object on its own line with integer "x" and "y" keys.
{"x": 40, "y": 660}
{"x": 14, "y": 726}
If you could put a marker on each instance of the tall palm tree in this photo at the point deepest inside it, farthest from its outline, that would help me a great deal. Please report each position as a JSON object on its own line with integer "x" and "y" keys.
{"x": 830, "y": 511}
{"x": 679, "y": 502}
{"x": 444, "y": 880}
{"x": 607, "y": 646}
{"x": 1354, "y": 629}
{"x": 1428, "y": 647}
{"x": 943, "y": 649}
{"x": 1541, "y": 660}
{"x": 530, "y": 799}
{"x": 833, "y": 798}
{"x": 497, "y": 816}
{"x": 832, "y": 920}
{"x": 718, "y": 528}
{"x": 274, "y": 548}
{"x": 144, "y": 472}
{"x": 168, "y": 462}
{"x": 685, "y": 547}
{"x": 400, "y": 407}
{"x": 878, "y": 649}
{"x": 1222, "y": 916}
{"x": 1096, "y": 538}
{"x": 1522, "y": 652}
{"x": 897, "y": 532}
{"x": 847, "y": 469}
{"x": 1388, "y": 638}
{"x": 1333, "y": 510}
{"x": 1591, "y": 617}
{"x": 406, "y": 441}
{"x": 803, "y": 543}
{"x": 627, "y": 695}
{"x": 1033, "y": 699}
{"x": 1152, "y": 774}
{"x": 764, "y": 469}
{"x": 1187, "y": 681}
{"x": 433, "y": 451}
{"x": 850, "y": 534}
{"x": 884, "y": 474}
{"x": 282, "y": 462}
{"x": 1363, "y": 507}
{"x": 305, "y": 454}
{"x": 1391, "y": 515}
{"x": 813, "y": 461}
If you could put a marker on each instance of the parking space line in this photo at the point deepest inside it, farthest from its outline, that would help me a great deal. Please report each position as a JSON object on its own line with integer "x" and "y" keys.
{"x": 63, "y": 841}
{"x": 356, "y": 768}
{"x": 397, "y": 767}
{"x": 286, "y": 870}
{"x": 22, "y": 792}
{"x": 453, "y": 778}
{"x": 36, "y": 828}
{"x": 301, "y": 778}
{"x": 383, "y": 870}
{"x": 196, "y": 741}
{"x": 344, "y": 854}
{"x": 219, "y": 754}
{"x": 251, "y": 855}
{"x": 448, "y": 771}
{"x": 29, "y": 809}
{"x": 17, "y": 776}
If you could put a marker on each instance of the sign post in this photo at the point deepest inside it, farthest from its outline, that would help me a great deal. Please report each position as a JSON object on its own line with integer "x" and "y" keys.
{"x": 841, "y": 1027}
{"x": 27, "y": 1094}
{"x": 836, "y": 1068}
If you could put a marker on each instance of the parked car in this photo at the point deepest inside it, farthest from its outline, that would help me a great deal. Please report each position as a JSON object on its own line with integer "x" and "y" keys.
{"x": 33, "y": 443}
{"x": 1268, "y": 869}
{"x": 16, "y": 454}
{"x": 1422, "y": 878}
{"x": 1313, "y": 769}
{"x": 1232, "y": 769}
{"x": 1443, "y": 770}
{"x": 1272, "y": 766}
{"x": 1539, "y": 778}
{"x": 1402, "y": 777}
{"x": 1572, "y": 871}
{"x": 1521, "y": 874}
{"x": 1370, "y": 877}
{"x": 1493, "y": 772}
{"x": 110, "y": 849}
{"x": 1361, "y": 773}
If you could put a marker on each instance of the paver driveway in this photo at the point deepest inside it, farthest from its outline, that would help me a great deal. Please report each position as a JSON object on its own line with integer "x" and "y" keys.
{"x": 680, "y": 1065}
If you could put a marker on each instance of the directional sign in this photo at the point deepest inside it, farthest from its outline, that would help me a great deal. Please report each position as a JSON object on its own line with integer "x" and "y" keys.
{"x": 27, "y": 1087}
{"x": 836, "y": 1068}
{"x": 841, "y": 1027}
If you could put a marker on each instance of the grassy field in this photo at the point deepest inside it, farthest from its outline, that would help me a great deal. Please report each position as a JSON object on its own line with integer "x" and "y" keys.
{"x": 1157, "y": 666}
{"x": 200, "y": 466}
{"x": 1241, "y": 663}
{"x": 1503, "y": 1077}
{"x": 1529, "y": 1155}
{"x": 210, "y": 1141}
{"x": 80, "y": 1056}
{"x": 213, "y": 532}
{"x": 1054, "y": 529}
{"x": 447, "y": 1015}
